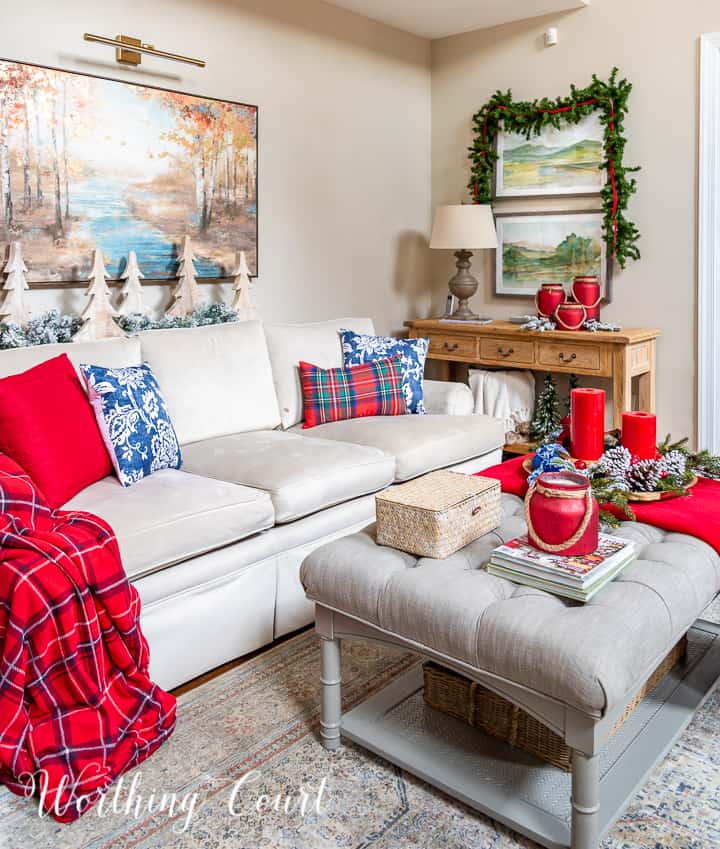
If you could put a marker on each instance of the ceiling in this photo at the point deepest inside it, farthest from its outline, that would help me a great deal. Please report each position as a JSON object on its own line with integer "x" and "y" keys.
{"x": 439, "y": 18}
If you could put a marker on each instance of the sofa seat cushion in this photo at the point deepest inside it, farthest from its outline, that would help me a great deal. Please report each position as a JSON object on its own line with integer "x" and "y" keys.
{"x": 301, "y": 475}
{"x": 419, "y": 443}
{"x": 172, "y": 516}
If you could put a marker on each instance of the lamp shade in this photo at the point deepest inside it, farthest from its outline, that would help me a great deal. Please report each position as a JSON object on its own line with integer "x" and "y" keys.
{"x": 463, "y": 227}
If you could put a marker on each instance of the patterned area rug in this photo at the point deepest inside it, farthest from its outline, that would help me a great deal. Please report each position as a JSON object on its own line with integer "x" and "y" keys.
{"x": 247, "y": 740}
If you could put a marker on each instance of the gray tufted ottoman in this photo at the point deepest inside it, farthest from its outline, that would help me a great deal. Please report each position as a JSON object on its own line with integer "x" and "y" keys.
{"x": 574, "y": 667}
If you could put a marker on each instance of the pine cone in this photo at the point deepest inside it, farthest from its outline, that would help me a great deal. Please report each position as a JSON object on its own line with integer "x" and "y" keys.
{"x": 675, "y": 464}
{"x": 615, "y": 463}
{"x": 644, "y": 476}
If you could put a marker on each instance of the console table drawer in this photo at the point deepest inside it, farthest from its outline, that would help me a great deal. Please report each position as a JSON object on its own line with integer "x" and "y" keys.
{"x": 456, "y": 347}
{"x": 560, "y": 355}
{"x": 507, "y": 350}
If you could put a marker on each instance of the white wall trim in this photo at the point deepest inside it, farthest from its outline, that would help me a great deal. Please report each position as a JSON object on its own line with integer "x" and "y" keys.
{"x": 709, "y": 246}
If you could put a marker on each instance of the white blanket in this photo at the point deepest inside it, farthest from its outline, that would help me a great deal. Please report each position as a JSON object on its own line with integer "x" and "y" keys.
{"x": 505, "y": 395}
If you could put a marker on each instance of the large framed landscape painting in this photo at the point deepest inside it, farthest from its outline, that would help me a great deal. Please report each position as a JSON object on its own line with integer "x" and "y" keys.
{"x": 89, "y": 162}
{"x": 549, "y": 247}
{"x": 566, "y": 161}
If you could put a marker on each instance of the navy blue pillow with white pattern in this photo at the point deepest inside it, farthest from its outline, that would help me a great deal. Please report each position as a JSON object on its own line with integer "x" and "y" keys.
{"x": 133, "y": 420}
{"x": 361, "y": 348}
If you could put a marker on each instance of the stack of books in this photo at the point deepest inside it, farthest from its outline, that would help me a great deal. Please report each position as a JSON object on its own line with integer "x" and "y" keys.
{"x": 577, "y": 577}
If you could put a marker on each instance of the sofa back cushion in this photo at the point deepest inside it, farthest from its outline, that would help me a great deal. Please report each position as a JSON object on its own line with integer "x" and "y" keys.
{"x": 318, "y": 343}
{"x": 216, "y": 380}
{"x": 111, "y": 353}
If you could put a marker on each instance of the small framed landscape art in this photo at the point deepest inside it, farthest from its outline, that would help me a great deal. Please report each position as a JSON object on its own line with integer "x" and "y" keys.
{"x": 535, "y": 248}
{"x": 555, "y": 162}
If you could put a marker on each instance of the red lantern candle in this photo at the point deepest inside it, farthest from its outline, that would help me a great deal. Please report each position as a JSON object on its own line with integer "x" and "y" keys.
{"x": 548, "y": 298}
{"x": 587, "y": 423}
{"x": 639, "y": 434}
{"x": 586, "y": 291}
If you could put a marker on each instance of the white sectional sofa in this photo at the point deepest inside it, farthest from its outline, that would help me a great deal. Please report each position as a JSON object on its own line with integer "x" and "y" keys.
{"x": 215, "y": 549}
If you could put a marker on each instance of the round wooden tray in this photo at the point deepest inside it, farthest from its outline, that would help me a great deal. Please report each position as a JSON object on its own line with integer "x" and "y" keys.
{"x": 659, "y": 496}
{"x": 632, "y": 496}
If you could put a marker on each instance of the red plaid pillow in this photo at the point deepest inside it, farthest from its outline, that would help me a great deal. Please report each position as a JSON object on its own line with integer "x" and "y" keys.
{"x": 370, "y": 389}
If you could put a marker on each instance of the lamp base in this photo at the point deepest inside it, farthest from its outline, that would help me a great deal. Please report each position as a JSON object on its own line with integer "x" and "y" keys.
{"x": 463, "y": 285}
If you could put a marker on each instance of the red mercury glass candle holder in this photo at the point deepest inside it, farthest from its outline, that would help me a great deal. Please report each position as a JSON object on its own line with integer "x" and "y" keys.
{"x": 587, "y": 423}
{"x": 548, "y": 298}
{"x": 570, "y": 315}
{"x": 639, "y": 434}
{"x": 586, "y": 291}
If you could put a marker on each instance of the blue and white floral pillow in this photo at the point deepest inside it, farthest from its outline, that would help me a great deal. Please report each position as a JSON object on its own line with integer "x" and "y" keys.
{"x": 361, "y": 348}
{"x": 134, "y": 422}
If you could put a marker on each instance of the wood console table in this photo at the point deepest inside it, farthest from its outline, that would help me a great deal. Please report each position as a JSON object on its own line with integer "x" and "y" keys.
{"x": 620, "y": 356}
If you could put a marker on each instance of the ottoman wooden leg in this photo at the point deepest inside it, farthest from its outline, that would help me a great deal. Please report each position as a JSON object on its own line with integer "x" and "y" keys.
{"x": 331, "y": 680}
{"x": 585, "y": 800}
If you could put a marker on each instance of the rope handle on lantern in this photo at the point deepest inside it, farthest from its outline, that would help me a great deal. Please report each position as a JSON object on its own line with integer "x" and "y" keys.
{"x": 587, "y": 306}
{"x": 553, "y": 493}
{"x": 537, "y": 304}
{"x": 557, "y": 318}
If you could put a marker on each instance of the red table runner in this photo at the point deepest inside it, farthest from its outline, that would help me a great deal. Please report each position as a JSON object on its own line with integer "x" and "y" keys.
{"x": 697, "y": 515}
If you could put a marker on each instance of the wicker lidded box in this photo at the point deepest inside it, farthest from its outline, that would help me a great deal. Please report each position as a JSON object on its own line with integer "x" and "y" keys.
{"x": 437, "y": 514}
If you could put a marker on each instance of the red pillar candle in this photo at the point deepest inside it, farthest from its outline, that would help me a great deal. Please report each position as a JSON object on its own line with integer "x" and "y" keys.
{"x": 639, "y": 434}
{"x": 587, "y": 423}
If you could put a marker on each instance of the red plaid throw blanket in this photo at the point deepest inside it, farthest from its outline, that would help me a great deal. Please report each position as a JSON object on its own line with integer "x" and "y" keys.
{"x": 77, "y": 707}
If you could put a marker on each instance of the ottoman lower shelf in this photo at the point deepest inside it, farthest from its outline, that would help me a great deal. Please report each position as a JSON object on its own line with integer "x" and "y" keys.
{"x": 511, "y": 786}
{"x": 452, "y": 693}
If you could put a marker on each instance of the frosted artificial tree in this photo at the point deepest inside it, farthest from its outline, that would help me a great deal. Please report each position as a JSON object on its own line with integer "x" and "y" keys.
{"x": 13, "y": 309}
{"x": 186, "y": 295}
{"x": 99, "y": 314}
{"x": 131, "y": 294}
{"x": 241, "y": 303}
{"x": 547, "y": 410}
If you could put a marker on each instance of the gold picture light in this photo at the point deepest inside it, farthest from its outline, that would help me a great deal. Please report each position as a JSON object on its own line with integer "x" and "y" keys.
{"x": 129, "y": 50}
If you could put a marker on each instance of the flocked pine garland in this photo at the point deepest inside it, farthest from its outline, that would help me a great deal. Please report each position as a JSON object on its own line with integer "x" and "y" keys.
{"x": 52, "y": 327}
{"x": 531, "y": 117}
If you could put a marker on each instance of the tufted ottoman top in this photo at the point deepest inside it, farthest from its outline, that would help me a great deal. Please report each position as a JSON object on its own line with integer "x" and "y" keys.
{"x": 588, "y": 656}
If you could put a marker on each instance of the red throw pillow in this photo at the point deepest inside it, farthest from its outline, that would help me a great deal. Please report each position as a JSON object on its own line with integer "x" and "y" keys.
{"x": 370, "y": 389}
{"x": 48, "y": 427}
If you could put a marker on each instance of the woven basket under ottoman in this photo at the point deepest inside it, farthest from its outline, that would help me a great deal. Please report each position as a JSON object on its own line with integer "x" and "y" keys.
{"x": 464, "y": 699}
{"x": 437, "y": 514}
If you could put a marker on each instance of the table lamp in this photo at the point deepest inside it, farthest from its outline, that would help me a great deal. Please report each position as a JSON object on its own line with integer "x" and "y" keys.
{"x": 463, "y": 228}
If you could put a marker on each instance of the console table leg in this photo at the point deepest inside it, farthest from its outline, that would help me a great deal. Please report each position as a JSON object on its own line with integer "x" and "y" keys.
{"x": 331, "y": 680}
{"x": 585, "y": 800}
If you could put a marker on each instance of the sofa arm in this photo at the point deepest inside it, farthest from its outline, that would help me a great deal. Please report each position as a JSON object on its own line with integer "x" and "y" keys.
{"x": 448, "y": 398}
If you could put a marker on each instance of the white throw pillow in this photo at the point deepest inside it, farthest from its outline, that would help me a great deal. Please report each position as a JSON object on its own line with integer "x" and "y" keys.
{"x": 317, "y": 343}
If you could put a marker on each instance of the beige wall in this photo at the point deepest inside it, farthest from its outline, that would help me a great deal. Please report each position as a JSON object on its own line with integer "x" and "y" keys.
{"x": 655, "y": 45}
{"x": 344, "y": 149}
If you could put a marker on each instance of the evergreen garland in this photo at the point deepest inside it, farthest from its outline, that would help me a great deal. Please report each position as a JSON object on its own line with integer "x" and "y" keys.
{"x": 203, "y": 315}
{"x": 52, "y": 327}
{"x": 46, "y": 329}
{"x": 529, "y": 118}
